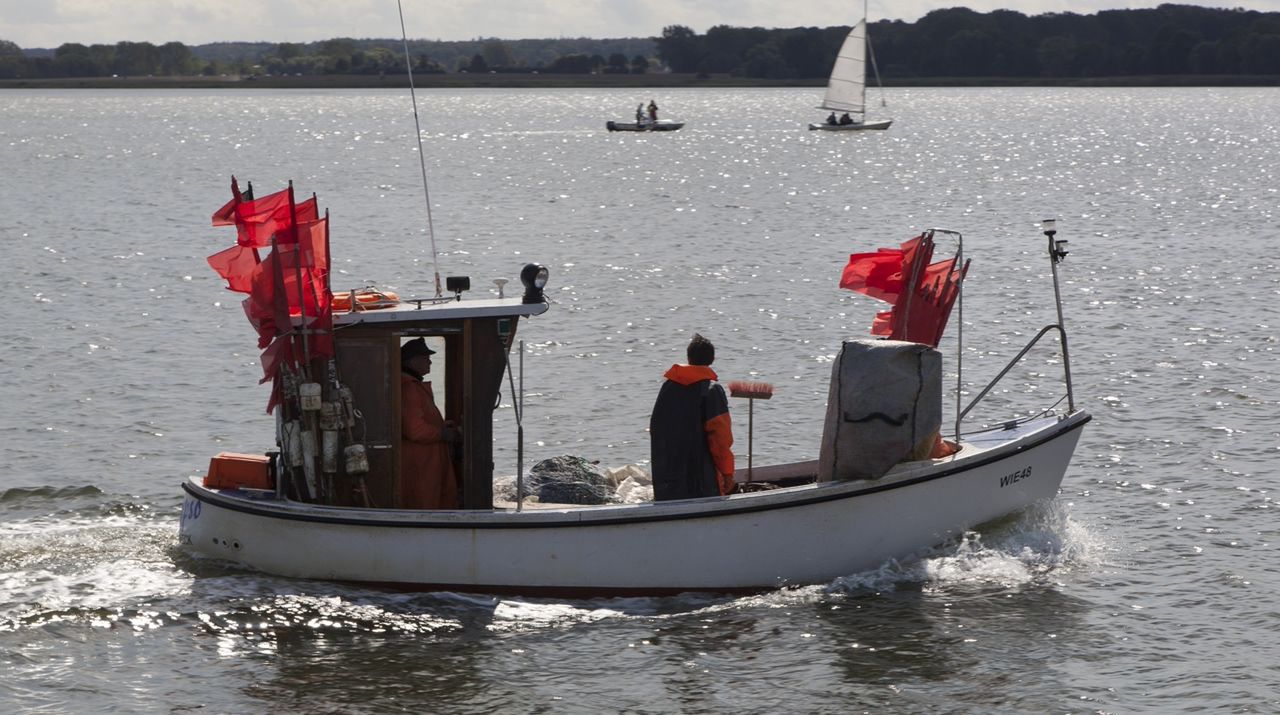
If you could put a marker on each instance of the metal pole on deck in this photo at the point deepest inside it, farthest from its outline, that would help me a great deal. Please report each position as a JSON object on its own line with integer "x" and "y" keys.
{"x": 1057, "y": 252}
{"x": 960, "y": 329}
{"x": 959, "y": 266}
{"x": 422, "y": 159}
{"x": 520, "y": 437}
{"x": 517, "y": 405}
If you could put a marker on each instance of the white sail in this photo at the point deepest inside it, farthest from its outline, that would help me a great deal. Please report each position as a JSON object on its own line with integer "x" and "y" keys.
{"x": 847, "y": 89}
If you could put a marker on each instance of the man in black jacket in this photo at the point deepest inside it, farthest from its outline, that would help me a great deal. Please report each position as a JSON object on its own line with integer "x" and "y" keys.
{"x": 691, "y": 438}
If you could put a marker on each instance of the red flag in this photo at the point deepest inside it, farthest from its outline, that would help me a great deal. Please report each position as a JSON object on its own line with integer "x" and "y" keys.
{"x": 225, "y": 216}
{"x": 312, "y": 252}
{"x": 280, "y": 352}
{"x": 290, "y": 283}
{"x": 236, "y": 265}
{"x": 261, "y": 321}
{"x": 936, "y": 273}
{"x": 312, "y": 240}
{"x": 880, "y": 275}
{"x": 924, "y": 318}
{"x": 275, "y": 291}
{"x": 922, "y": 293}
{"x": 258, "y": 220}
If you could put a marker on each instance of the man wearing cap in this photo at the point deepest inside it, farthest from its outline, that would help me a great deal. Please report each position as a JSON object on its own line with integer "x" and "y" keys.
{"x": 691, "y": 439}
{"x": 426, "y": 472}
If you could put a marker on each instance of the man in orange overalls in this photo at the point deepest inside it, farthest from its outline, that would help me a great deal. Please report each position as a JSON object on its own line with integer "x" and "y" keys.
{"x": 427, "y": 479}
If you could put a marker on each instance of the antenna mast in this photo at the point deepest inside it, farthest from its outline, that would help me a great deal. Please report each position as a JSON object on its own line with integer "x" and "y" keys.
{"x": 422, "y": 159}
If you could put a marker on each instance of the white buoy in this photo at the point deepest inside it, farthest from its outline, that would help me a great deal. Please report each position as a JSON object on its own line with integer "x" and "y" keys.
{"x": 309, "y": 460}
{"x": 293, "y": 443}
{"x": 348, "y": 406}
{"x": 309, "y": 395}
{"x": 328, "y": 451}
{"x": 357, "y": 459}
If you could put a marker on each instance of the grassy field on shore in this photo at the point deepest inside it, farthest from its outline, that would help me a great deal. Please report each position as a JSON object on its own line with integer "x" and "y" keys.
{"x": 542, "y": 81}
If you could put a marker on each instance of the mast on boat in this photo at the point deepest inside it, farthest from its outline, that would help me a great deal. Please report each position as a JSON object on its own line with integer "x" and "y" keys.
{"x": 847, "y": 85}
{"x": 422, "y": 159}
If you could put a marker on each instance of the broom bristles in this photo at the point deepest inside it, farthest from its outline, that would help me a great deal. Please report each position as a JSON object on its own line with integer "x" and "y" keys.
{"x": 747, "y": 388}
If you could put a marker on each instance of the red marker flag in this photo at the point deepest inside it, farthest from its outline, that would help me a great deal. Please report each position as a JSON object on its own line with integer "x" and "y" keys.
{"x": 226, "y": 215}
{"x": 260, "y": 219}
{"x": 922, "y": 293}
{"x": 882, "y": 274}
{"x": 236, "y": 265}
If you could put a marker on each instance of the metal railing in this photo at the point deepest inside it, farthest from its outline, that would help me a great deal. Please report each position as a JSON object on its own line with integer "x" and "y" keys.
{"x": 1057, "y": 252}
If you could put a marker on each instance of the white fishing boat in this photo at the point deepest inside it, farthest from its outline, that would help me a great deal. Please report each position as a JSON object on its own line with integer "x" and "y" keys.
{"x": 661, "y": 125}
{"x": 847, "y": 86}
{"x": 327, "y": 505}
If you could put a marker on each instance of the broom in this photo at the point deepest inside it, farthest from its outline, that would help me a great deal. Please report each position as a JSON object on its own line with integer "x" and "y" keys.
{"x": 752, "y": 391}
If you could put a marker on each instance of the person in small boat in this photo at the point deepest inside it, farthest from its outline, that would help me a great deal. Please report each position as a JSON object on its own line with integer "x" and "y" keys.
{"x": 831, "y": 118}
{"x": 653, "y": 111}
{"x": 427, "y": 478}
{"x": 845, "y": 119}
{"x": 691, "y": 438}
{"x": 640, "y": 113}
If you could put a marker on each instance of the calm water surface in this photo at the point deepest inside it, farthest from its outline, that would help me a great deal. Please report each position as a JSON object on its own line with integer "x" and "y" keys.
{"x": 1150, "y": 584}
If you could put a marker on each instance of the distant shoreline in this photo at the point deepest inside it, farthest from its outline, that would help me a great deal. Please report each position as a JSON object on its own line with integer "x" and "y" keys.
{"x": 570, "y": 81}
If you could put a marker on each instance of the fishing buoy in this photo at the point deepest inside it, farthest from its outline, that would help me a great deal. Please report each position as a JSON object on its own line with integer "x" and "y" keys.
{"x": 357, "y": 459}
{"x": 348, "y": 399}
{"x": 329, "y": 451}
{"x": 330, "y": 416}
{"x": 292, "y": 435}
{"x": 290, "y": 387}
{"x": 330, "y": 422}
{"x": 309, "y": 460}
{"x": 309, "y": 395}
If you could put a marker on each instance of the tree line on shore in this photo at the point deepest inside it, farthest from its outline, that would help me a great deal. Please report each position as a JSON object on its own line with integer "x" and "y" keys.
{"x": 956, "y": 42}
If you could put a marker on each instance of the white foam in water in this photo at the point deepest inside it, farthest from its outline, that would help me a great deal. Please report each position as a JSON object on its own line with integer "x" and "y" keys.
{"x": 1042, "y": 540}
{"x": 79, "y": 567}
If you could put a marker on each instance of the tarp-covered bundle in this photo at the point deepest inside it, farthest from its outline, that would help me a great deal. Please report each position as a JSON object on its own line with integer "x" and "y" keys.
{"x": 884, "y": 407}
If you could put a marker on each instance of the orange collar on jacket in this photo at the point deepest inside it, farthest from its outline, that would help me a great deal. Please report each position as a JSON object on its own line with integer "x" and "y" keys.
{"x": 689, "y": 374}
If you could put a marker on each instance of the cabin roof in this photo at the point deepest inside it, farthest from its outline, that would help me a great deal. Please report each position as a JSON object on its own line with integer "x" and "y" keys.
{"x": 413, "y": 312}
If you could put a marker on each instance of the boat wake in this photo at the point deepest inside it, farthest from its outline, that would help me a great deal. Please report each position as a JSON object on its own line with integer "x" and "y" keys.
{"x": 1026, "y": 549}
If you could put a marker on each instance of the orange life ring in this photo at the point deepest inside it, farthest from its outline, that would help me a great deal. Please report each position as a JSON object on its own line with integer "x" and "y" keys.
{"x": 365, "y": 299}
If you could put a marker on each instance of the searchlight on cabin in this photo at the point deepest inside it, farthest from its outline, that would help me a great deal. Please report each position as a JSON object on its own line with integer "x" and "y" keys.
{"x": 534, "y": 277}
{"x": 457, "y": 284}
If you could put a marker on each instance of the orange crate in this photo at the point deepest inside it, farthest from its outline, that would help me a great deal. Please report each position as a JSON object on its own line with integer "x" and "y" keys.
{"x": 229, "y": 470}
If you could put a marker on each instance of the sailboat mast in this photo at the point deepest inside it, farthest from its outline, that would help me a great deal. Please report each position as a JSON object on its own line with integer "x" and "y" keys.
{"x": 871, "y": 53}
{"x": 866, "y": 33}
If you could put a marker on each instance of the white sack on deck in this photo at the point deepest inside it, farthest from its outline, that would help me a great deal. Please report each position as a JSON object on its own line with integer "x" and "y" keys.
{"x": 884, "y": 406}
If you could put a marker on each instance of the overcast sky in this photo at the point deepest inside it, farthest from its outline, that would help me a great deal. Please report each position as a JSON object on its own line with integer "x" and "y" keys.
{"x": 49, "y": 23}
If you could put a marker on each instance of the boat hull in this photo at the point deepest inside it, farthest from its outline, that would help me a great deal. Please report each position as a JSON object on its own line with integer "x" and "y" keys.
{"x": 662, "y": 125}
{"x": 880, "y": 124}
{"x": 744, "y": 542}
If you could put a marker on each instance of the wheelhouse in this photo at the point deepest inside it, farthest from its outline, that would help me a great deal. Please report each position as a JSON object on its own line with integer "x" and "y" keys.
{"x": 474, "y": 337}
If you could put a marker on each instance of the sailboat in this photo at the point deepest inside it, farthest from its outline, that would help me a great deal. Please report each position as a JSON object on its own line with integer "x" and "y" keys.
{"x": 847, "y": 87}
